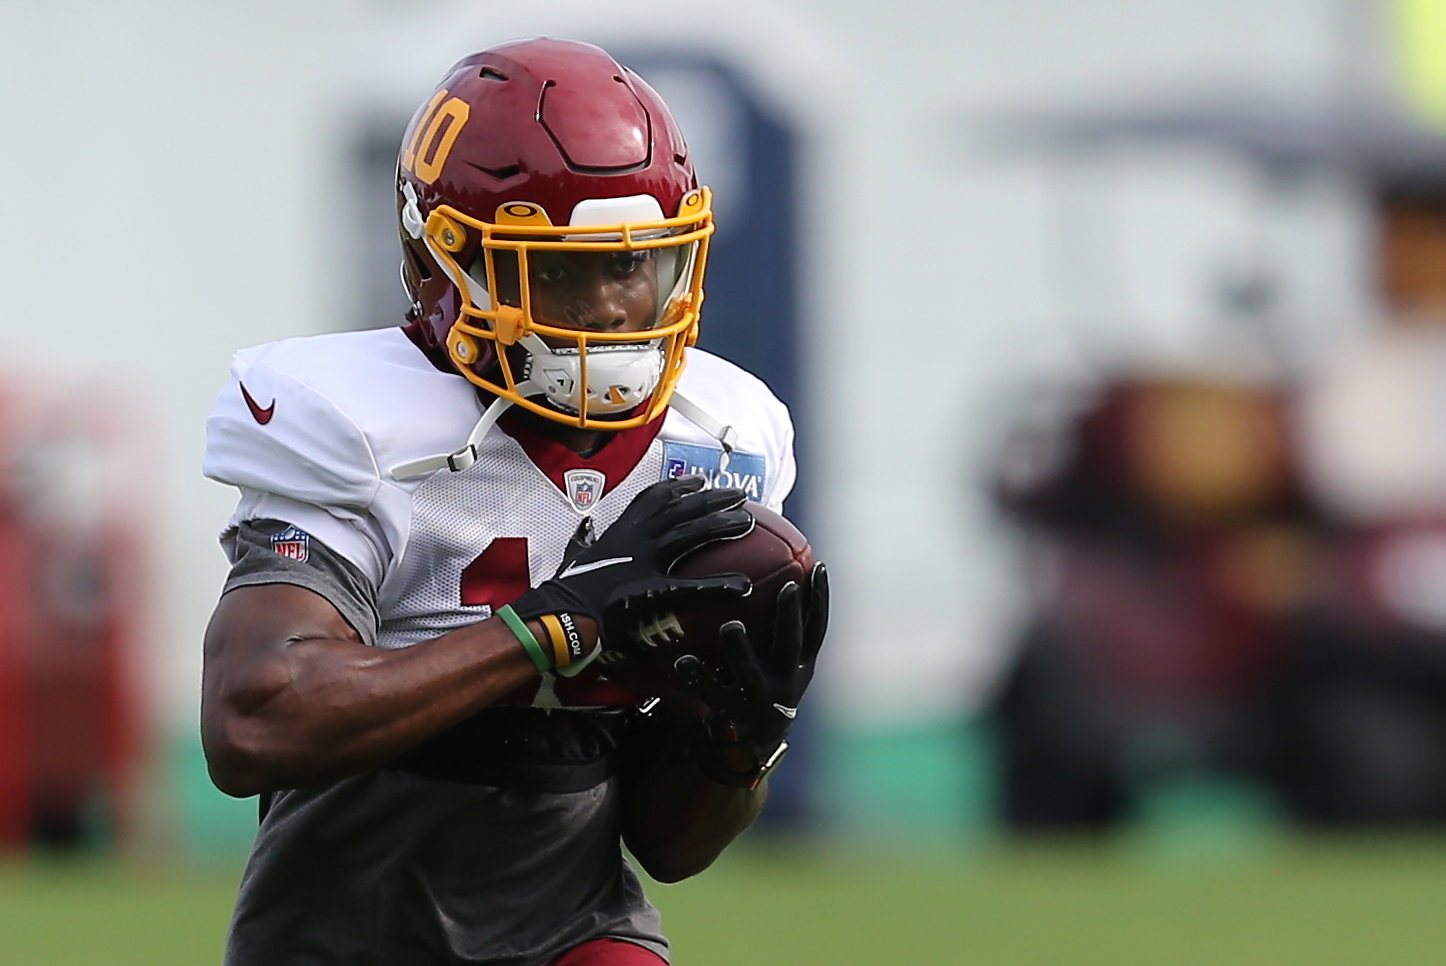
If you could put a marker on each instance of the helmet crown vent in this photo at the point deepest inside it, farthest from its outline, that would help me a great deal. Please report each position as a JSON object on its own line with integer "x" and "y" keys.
{"x": 595, "y": 128}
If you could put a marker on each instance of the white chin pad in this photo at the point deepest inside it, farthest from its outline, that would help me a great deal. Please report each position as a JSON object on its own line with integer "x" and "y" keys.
{"x": 619, "y": 377}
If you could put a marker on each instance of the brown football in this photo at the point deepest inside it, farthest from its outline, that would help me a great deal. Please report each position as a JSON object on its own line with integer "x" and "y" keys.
{"x": 770, "y": 555}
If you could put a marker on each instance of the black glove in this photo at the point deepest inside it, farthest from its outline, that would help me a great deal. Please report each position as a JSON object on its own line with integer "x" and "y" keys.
{"x": 745, "y": 736}
{"x": 623, "y": 573}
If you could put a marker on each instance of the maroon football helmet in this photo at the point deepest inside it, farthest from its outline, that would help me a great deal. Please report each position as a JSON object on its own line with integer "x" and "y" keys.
{"x": 553, "y": 232}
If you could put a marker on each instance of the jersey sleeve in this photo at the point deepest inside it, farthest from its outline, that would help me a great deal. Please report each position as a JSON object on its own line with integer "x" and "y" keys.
{"x": 356, "y": 538}
{"x": 279, "y": 552}
{"x": 784, "y": 465}
{"x": 296, "y": 456}
{"x": 270, "y": 431}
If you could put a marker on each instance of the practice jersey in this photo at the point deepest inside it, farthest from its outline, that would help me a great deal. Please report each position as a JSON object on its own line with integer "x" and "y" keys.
{"x": 411, "y": 863}
{"x": 310, "y": 430}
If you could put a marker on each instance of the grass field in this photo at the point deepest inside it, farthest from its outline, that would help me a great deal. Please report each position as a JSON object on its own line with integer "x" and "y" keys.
{"x": 1337, "y": 903}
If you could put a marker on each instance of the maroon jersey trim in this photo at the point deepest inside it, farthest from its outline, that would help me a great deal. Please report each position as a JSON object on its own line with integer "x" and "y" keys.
{"x": 617, "y": 458}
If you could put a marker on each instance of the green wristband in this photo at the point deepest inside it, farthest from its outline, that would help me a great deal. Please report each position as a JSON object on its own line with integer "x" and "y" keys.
{"x": 524, "y": 637}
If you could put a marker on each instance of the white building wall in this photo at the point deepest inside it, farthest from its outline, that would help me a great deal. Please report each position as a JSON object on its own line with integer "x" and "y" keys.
{"x": 172, "y": 194}
{"x": 161, "y": 165}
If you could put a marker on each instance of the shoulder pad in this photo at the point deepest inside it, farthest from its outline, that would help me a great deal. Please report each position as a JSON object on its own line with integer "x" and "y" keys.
{"x": 320, "y": 419}
{"x": 270, "y": 431}
{"x": 737, "y": 398}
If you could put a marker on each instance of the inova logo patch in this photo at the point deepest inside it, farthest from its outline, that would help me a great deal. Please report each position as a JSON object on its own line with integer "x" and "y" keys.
{"x": 746, "y": 471}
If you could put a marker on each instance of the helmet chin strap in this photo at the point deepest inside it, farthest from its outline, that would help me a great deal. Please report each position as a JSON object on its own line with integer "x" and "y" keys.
{"x": 462, "y": 458}
{"x": 726, "y": 436}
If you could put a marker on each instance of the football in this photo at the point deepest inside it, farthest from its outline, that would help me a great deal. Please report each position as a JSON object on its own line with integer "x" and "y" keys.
{"x": 773, "y": 553}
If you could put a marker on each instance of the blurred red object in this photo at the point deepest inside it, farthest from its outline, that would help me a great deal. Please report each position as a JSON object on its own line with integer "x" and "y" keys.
{"x": 14, "y": 733}
{"x": 69, "y": 604}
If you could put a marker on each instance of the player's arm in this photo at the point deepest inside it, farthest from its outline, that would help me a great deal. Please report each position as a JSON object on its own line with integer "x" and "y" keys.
{"x": 291, "y": 696}
{"x": 693, "y": 782}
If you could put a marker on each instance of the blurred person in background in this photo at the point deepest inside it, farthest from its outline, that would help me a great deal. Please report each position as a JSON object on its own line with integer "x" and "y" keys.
{"x": 1364, "y": 713}
{"x": 1246, "y": 580}
{"x": 402, "y": 663}
{"x": 1179, "y": 550}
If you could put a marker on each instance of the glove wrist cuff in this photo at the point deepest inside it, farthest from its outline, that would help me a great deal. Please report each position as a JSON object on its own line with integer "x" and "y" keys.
{"x": 720, "y": 762}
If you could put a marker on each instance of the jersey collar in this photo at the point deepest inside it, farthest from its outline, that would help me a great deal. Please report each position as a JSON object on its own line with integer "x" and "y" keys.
{"x": 615, "y": 460}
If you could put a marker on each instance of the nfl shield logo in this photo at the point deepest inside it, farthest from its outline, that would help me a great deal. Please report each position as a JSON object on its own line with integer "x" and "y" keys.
{"x": 584, "y": 488}
{"x": 293, "y": 543}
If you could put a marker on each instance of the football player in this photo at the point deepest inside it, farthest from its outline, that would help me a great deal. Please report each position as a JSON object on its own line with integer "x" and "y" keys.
{"x": 443, "y": 525}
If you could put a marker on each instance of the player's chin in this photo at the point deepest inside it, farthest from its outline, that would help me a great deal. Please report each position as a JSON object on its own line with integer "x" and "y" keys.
{"x": 622, "y": 414}
{"x": 593, "y": 414}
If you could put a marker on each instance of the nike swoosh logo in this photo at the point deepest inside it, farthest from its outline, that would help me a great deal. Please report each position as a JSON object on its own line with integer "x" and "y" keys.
{"x": 263, "y": 416}
{"x": 573, "y": 569}
{"x": 786, "y": 712}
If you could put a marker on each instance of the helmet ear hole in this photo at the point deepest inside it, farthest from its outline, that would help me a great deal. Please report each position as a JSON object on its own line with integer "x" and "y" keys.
{"x": 421, "y": 271}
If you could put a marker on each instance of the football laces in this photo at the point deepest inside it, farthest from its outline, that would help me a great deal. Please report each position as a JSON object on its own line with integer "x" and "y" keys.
{"x": 659, "y": 630}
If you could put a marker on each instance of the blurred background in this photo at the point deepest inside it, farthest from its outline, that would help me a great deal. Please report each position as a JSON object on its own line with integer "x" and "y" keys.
{"x": 1115, "y": 333}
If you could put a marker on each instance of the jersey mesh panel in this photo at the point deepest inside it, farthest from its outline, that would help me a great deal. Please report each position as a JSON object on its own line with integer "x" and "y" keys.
{"x": 456, "y": 515}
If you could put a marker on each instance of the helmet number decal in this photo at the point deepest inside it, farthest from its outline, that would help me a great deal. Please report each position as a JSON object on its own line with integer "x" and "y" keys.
{"x": 432, "y": 139}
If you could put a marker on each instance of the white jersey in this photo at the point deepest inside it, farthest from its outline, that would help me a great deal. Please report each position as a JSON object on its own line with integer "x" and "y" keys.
{"x": 309, "y": 429}
{"x": 511, "y": 853}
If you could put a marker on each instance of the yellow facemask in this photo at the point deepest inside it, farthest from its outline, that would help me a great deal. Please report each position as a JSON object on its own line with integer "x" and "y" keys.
{"x": 600, "y": 313}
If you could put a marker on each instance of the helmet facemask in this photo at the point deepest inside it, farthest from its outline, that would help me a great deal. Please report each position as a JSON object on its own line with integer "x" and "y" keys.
{"x": 588, "y": 320}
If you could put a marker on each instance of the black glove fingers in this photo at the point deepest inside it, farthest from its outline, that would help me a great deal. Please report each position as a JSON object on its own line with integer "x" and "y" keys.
{"x": 743, "y": 659}
{"x": 656, "y": 592}
{"x": 716, "y": 587}
{"x": 816, "y": 626}
{"x": 658, "y": 497}
{"x": 721, "y": 498}
{"x": 634, "y": 602}
{"x": 788, "y": 641}
{"x": 669, "y": 491}
{"x": 703, "y": 684}
{"x": 693, "y": 506}
{"x": 685, "y": 537}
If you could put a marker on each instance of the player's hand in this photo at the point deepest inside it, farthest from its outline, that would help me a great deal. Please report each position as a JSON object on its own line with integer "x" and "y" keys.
{"x": 623, "y": 573}
{"x": 752, "y": 716}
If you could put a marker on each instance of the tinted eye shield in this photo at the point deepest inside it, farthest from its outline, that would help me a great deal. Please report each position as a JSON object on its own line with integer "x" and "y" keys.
{"x": 458, "y": 240}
